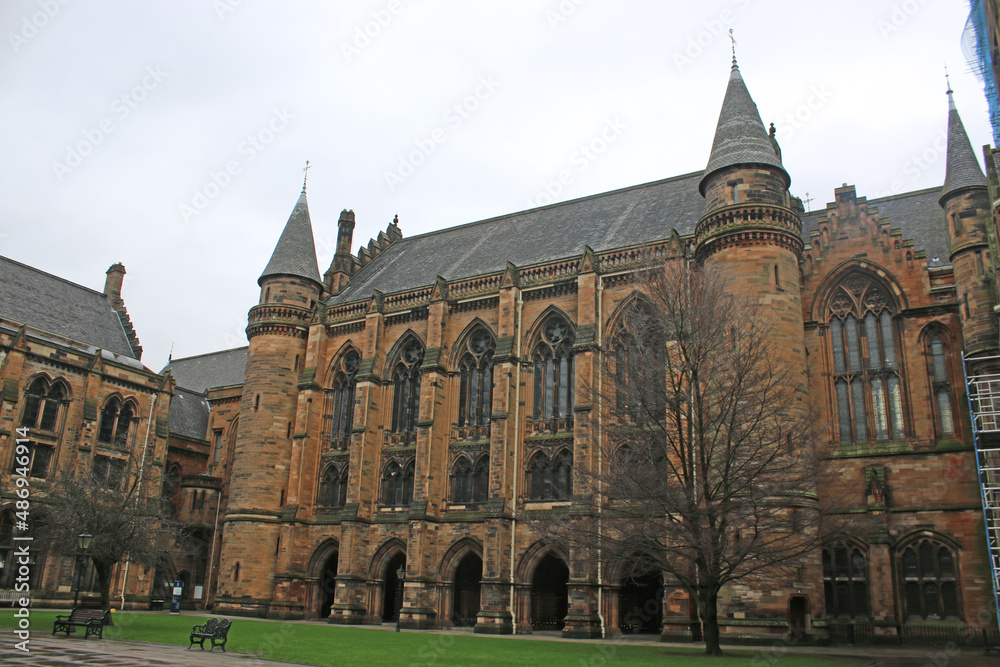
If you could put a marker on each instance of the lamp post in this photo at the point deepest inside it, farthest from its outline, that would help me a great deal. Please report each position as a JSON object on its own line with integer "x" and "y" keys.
{"x": 401, "y": 575}
{"x": 82, "y": 544}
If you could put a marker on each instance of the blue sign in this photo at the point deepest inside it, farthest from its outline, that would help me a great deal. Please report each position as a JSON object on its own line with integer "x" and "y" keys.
{"x": 175, "y": 600}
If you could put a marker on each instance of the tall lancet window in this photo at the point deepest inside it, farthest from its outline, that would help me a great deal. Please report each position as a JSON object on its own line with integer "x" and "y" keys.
{"x": 342, "y": 416}
{"x": 553, "y": 357}
{"x": 475, "y": 395}
{"x": 406, "y": 388}
{"x": 868, "y": 387}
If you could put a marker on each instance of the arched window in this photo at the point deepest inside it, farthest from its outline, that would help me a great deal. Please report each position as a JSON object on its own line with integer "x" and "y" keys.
{"x": 397, "y": 484}
{"x": 461, "y": 481}
{"x": 475, "y": 395}
{"x": 41, "y": 404}
{"x": 469, "y": 483}
{"x": 342, "y": 416}
{"x": 550, "y": 479}
{"x": 639, "y": 369}
{"x": 553, "y": 359}
{"x": 941, "y": 386}
{"x": 406, "y": 388}
{"x": 333, "y": 487}
{"x": 845, "y": 581}
{"x": 116, "y": 422}
{"x": 930, "y": 581}
{"x": 866, "y": 375}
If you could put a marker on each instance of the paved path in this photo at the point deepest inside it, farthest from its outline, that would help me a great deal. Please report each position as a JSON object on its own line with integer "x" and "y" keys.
{"x": 49, "y": 651}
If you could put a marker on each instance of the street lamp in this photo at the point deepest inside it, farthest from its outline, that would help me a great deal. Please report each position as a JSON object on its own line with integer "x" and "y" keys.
{"x": 82, "y": 545}
{"x": 401, "y": 575}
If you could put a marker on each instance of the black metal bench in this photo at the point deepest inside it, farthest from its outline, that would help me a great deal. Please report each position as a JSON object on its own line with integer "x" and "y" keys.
{"x": 93, "y": 620}
{"x": 215, "y": 630}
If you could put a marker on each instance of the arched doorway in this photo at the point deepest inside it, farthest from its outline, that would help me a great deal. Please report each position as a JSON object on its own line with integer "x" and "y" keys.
{"x": 392, "y": 598}
{"x": 640, "y": 604}
{"x": 327, "y": 585}
{"x": 467, "y": 578}
{"x": 549, "y": 594}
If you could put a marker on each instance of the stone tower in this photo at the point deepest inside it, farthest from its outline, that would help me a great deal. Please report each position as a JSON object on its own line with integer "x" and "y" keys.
{"x": 262, "y": 459}
{"x": 967, "y": 209}
{"x": 753, "y": 237}
{"x": 749, "y": 230}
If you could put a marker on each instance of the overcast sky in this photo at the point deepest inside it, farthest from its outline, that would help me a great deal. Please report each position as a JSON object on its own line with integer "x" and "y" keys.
{"x": 171, "y": 136}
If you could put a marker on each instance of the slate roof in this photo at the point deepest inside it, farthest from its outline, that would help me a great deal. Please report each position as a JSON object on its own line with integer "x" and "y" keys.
{"x": 55, "y": 305}
{"x": 626, "y": 217}
{"x": 215, "y": 369}
{"x": 917, "y": 213}
{"x": 295, "y": 253}
{"x": 963, "y": 169}
{"x": 189, "y": 414}
{"x": 740, "y": 137}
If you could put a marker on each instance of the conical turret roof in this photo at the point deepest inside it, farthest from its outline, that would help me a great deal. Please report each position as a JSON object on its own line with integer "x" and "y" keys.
{"x": 963, "y": 169}
{"x": 295, "y": 254}
{"x": 740, "y": 137}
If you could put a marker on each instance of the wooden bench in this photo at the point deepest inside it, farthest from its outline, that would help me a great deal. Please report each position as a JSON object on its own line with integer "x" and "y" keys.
{"x": 92, "y": 619}
{"x": 216, "y": 630}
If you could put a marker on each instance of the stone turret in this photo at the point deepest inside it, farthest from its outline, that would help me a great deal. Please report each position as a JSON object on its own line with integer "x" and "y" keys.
{"x": 967, "y": 209}
{"x": 262, "y": 457}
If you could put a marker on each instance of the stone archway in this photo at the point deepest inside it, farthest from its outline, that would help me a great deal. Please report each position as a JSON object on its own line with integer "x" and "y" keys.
{"x": 549, "y": 593}
{"x": 392, "y": 598}
{"x": 640, "y": 604}
{"x": 465, "y": 591}
{"x": 328, "y": 584}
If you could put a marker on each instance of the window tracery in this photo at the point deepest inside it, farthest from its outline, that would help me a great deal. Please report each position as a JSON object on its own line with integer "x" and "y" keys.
{"x": 929, "y": 580}
{"x": 475, "y": 396}
{"x": 553, "y": 365}
{"x": 344, "y": 388}
{"x": 406, "y": 388}
{"x": 867, "y": 379}
{"x": 41, "y": 404}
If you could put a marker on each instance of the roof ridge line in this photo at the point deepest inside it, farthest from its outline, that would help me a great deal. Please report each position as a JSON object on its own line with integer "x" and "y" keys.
{"x": 548, "y": 206}
{"x": 205, "y": 354}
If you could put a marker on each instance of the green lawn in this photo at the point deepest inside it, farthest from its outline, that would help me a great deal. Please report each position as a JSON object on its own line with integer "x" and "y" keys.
{"x": 334, "y": 645}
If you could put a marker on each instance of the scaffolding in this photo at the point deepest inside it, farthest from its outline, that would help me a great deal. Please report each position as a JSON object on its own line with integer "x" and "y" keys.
{"x": 984, "y": 410}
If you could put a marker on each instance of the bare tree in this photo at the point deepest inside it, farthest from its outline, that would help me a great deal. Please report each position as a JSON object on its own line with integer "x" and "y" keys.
{"x": 119, "y": 503}
{"x": 709, "y": 467}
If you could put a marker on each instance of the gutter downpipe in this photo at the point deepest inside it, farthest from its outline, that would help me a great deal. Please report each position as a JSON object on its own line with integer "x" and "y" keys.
{"x": 517, "y": 452}
{"x": 600, "y": 460}
{"x": 138, "y": 491}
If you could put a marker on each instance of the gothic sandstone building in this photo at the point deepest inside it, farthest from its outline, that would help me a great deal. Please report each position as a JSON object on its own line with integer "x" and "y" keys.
{"x": 399, "y": 413}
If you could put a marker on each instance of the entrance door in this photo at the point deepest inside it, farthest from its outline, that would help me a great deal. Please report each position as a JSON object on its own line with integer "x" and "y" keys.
{"x": 392, "y": 598}
{"x": 550, "y": 594}
{"x": 798, "y": 609}
{"x": 641, "y": 604}
{"x": 327, "y": 586}
{"x": 467, "y": 577}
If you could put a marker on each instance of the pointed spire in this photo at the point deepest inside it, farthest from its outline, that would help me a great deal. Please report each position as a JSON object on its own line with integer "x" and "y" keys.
{"x": 295, "y": 253}
{"x": 740, "y": 137}
{"x": 963, "y": 170}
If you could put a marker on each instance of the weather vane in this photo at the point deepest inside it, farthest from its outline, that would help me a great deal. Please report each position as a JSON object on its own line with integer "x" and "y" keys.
{"x": 733, "y": 40}
{"x": 305, "y": 175}
{"x": 946, "y": 79}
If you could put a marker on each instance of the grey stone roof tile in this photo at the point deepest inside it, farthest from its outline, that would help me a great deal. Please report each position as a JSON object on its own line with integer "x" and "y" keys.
{"x": 740, "y": 137}
{"x": 616, "y": 219}
{"x": 55, "y": 305}
{"x": 963, "y": 169}
{"x": 295, "y": 253}
{"x": 189, "y": 414}
{"x": 215, "y": 369}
